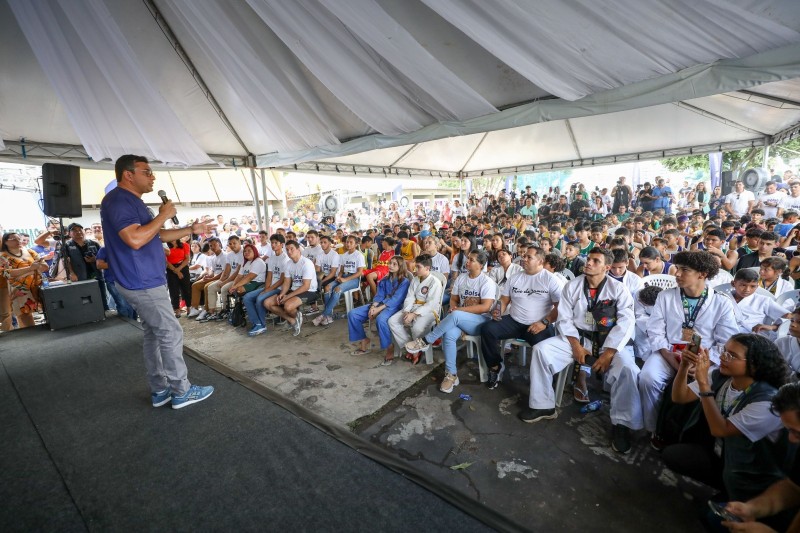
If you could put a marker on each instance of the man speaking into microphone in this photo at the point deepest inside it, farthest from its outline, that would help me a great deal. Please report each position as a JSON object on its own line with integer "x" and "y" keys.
{"x": 133, "y": 238}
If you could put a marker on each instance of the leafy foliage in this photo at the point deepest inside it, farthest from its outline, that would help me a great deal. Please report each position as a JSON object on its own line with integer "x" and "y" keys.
{"x": 736, "y": 160}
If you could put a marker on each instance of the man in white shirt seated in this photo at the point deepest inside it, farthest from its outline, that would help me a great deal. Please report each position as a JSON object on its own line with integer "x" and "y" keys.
{"x": 312, "y": 250}
{"x": 740, "y": 201}
{"x": 533, "y": 295}
{"x": 472, "y": 296}
{"x": 255, "y": 301}
{"x": 299, "y": 286}
{"x": 595, "y": 317}
{"x": 679, "y": 313}
{"x": 264, "y": 246}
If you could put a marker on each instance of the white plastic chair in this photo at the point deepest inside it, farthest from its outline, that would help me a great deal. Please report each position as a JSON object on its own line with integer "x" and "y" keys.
{"x": 793, "y": 296}
{"x": 474, "y": 351}
{"x": 665, "y": 281}
{"x": 348, "y": 296}
{"x": 727, "y": 288}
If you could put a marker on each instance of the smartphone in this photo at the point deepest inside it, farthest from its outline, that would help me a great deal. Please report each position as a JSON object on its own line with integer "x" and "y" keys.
{"x": 694, "y": 347}
{"x": 718, "y": 508}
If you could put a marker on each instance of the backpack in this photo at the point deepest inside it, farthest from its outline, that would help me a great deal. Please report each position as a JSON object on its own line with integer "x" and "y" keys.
{"x": 237, "y": 315}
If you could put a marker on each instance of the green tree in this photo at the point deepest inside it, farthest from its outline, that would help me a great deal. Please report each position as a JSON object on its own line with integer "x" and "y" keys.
{"x": 736, "y": 161}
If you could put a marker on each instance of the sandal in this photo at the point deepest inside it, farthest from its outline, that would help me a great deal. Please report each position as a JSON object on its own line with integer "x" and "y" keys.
{"x": 361, "y": 352}
{"x": 580, "y": 396}
{"x": 387, "y": 362}
{"x": 415, "y": 358}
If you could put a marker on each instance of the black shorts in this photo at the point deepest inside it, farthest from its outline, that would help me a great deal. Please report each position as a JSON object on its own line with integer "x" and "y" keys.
{"x": 308, "y": 297}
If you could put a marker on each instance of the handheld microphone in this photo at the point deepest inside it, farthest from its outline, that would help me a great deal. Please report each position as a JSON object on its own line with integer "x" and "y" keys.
{"x": 164, "y": 200}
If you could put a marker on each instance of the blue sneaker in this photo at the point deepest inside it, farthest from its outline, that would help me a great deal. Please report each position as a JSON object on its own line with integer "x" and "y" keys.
{"x": 195, "y": 394}
{"x": 257, "y": 329}
{"x": 161, "y": 398}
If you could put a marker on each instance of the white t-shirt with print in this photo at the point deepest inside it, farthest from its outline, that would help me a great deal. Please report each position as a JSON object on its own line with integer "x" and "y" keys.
{"x": 235, "y": 260}
{"x": 351, "y": 262}
{"x": 532, "y": 296}
{"x": 303, "y": 269}
{"x": 471, "y": 291}
{"x": 329, "y": 261}
{"x": 277, "y": 265}
{"x": 217, "y": 263}
{"x": 440, "y": 264}
{"x": 258, "y": 267}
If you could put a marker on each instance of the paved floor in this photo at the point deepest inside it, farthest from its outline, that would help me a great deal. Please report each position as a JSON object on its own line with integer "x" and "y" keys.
{"x": 314, "y": 369}
{"x": 553, "y": 475}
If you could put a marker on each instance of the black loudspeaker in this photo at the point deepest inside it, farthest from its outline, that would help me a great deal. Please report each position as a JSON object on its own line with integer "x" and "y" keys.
{"x": 61, "y": 189}
{"x": 72, "y": 304}
{"x": 726, "y": 182}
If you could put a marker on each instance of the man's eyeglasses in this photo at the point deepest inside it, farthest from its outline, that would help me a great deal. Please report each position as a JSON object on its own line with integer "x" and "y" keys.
{"x": 147, "y": 172}
{"x": 728, "y": 356}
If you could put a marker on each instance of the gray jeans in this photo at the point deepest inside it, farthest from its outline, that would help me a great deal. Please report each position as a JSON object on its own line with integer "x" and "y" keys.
{"x": 163, "y": 339}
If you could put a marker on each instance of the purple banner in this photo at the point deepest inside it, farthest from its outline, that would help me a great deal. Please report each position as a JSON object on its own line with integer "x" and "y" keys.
{"x": 715, "y": 166}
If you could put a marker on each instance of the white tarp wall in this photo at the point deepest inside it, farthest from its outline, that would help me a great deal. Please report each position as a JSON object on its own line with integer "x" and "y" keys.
{"x": 188, "y": 83}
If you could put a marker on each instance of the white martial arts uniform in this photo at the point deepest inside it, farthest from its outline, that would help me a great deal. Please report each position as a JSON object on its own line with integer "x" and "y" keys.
{"x": 429, "y": 293}
{"x": 554, "y": 354}
{"x": 755, "y": 310}
{"x": 632, "y": 281}
{"x": 715, "y": 323}
{"x": 790, "y": 350}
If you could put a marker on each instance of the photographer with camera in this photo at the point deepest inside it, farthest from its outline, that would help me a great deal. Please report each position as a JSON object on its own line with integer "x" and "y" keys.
{"x": 622, "y": 195}
{"x": 663, "y": 195}
{"x": 81, "y": 256}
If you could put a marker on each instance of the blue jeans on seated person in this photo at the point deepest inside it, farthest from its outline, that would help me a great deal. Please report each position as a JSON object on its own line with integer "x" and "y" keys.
{"x": 254, "y": 303}
{"x": 355, "y": 325}
{"x": 123, "y": 307}
{"x": 332, "y": 298}
{"x": 450, "y": 330}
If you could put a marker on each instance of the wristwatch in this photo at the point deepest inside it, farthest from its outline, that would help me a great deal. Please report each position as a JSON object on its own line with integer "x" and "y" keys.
{"x": 707, "y": 394}
{"x": 545, "y": 322}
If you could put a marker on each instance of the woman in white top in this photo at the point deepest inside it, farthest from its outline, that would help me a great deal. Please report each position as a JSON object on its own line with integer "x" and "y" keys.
{"x": 473, "y": 295}
{"x": 252, "y": 274}
{"x": 599, "y": 209}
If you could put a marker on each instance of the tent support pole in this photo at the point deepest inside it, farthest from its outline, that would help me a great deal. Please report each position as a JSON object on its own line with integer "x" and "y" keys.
{"x": 255, "y": 194}
{"x": 266, "y": 202}
{"x": 766, "y": 153}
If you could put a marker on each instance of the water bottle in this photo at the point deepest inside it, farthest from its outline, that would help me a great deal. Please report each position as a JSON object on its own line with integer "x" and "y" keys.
{"x": 594, "y": 406}
{"x": 45, "y": 280}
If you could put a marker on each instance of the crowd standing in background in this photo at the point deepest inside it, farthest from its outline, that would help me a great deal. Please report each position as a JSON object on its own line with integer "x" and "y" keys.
{"x": 681, "y": 299}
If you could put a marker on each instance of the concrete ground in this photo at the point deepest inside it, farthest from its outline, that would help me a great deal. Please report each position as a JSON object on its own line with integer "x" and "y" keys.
{"x": 314, "y": 369}
{"x": 558, "y": 475}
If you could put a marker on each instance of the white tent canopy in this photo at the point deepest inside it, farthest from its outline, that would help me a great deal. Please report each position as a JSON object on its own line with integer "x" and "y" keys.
{"x": 416, "y": 87}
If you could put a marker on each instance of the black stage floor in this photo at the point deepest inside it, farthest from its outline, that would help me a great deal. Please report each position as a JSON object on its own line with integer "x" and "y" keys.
{"x": 82, "y": 449}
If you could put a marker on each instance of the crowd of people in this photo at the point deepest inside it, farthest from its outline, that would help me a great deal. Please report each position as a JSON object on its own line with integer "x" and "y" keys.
{"x": 675, "y": 299}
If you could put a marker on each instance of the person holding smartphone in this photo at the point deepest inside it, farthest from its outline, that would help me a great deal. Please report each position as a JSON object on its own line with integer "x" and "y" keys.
{"x": 739, "y": 452}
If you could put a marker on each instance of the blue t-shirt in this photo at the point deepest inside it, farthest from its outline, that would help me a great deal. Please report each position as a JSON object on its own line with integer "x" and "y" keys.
{"x": 108, "y": 274}
{"x": 140, "y": 269}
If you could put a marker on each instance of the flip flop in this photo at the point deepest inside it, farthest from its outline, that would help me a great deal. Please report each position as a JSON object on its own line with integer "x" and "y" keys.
{"x": 360, "y": 352}
{"x": 387, "y": 362}
{"x": 580, "y": 396}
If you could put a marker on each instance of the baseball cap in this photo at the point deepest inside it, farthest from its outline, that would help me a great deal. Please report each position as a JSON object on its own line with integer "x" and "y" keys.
{"x": 73, "y": 226}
